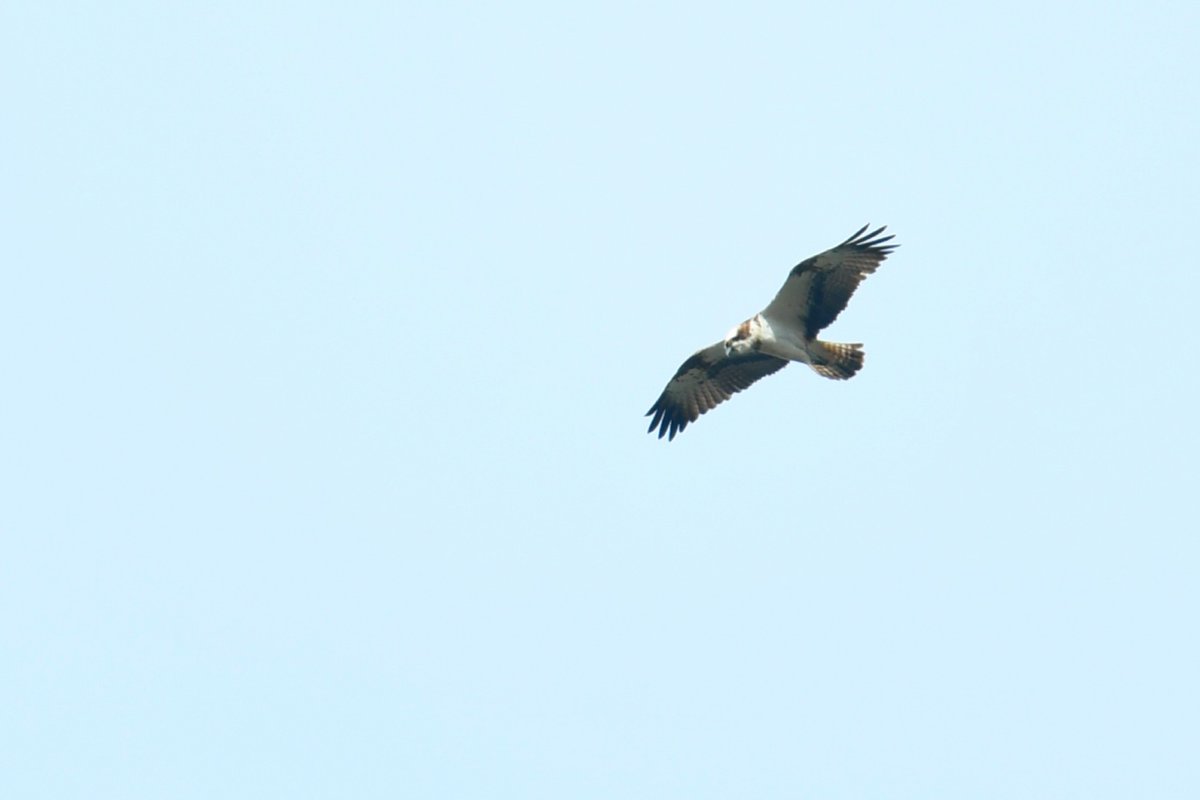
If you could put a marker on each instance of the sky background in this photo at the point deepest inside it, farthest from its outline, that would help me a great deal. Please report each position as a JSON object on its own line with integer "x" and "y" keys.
{"x": 327, "y": 331}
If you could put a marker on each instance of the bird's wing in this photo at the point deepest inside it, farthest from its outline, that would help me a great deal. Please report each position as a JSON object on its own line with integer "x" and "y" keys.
{"x": 819, "y": 288}
{"x": 703, "y": 382}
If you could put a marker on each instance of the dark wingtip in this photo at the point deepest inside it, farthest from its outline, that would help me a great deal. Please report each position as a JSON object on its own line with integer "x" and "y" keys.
{"x": 666, "y": 424}
{"x": 872, "y": 240}
{"x": 856, "y": 234}
{"x": 657, "y": 410}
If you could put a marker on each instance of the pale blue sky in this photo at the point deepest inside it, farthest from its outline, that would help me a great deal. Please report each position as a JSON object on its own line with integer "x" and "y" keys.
{"x": 328, "y": 332}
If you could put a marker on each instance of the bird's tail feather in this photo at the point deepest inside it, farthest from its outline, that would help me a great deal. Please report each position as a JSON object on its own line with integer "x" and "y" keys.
{"x": 834, "y": 360}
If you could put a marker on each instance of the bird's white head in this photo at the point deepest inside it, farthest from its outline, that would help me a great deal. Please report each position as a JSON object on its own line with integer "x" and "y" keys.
{"x": 742, "y": 339}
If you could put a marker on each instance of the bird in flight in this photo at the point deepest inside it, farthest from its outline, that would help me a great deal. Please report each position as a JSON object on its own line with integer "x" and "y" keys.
{"x": 815, "y": 292}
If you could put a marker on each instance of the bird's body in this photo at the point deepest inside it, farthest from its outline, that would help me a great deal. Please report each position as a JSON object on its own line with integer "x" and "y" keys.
{"x": 813, "y": 295}
{"x": 773, "y": 339}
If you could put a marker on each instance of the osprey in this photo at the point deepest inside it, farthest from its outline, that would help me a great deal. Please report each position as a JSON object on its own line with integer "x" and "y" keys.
{"x": 813, "y": 295}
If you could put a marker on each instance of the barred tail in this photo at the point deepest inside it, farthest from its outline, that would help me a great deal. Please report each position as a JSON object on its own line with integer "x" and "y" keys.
{"x": 837, "y": 361}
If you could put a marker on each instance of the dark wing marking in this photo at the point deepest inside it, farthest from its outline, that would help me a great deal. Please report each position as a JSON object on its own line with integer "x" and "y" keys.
{"x": 703, "y": 382}
{"x": 818, "y": 288}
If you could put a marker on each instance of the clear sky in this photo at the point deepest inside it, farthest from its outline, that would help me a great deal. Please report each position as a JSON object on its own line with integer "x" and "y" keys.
{"x": 327, "y": 333}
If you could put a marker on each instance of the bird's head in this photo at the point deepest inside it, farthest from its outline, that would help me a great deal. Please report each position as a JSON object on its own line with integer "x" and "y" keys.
{"x": 739, "y": 340}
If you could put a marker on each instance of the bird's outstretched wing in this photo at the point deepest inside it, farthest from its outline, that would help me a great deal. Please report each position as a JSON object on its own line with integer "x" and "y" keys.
{"x": 703, "y": 382}
{"x": 819, "y": 288}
